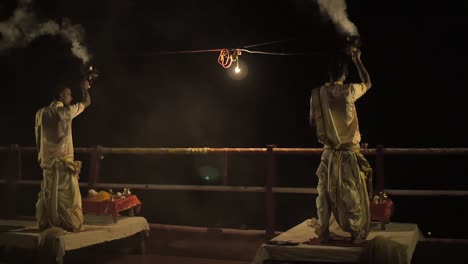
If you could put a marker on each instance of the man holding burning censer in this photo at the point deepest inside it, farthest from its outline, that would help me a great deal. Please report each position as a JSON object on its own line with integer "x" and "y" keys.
{"x": 59, "y": 201}
{"x": 343, "y": 171}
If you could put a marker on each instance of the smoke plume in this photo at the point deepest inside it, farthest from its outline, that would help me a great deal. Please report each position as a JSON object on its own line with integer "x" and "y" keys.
{"x": 336, "y": 10}
{"x": 23, "y": 27}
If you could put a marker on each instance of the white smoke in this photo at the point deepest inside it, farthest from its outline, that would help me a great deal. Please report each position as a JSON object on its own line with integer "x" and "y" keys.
{"x": 336, "y": 10}
{"x": 23, "y": 27}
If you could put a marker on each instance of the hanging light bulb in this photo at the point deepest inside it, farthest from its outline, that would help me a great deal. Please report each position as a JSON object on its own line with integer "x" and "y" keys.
{"x": 237, "y": 69}
{"x": 240, "y": 71}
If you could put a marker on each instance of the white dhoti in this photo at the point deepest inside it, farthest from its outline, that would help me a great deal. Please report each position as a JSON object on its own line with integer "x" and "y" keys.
{"x": 342, "y": 190}
{"x": 59, "y": 201}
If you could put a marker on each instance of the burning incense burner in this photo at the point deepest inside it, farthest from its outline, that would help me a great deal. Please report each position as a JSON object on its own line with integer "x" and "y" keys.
{"x": 90, "y": 73}
{"x": 93, "y": 74}
{"x": 352, "y": 42}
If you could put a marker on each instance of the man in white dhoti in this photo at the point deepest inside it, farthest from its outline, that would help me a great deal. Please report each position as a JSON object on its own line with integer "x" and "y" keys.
{"x": 59, "y": 201}
{"x": 343, "y": 171}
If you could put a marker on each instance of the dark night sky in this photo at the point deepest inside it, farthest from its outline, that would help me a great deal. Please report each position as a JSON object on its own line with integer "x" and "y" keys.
{"x": 415, "y": 54}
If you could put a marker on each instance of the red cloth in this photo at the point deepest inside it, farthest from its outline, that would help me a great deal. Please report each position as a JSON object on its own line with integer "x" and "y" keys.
{"x": 381, "y": 211}
{"x": 113, "y": 208}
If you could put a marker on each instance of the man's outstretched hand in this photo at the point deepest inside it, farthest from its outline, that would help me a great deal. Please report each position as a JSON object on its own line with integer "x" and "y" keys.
{"x": 86, "y": 84}
{"x": 354, "y": 53}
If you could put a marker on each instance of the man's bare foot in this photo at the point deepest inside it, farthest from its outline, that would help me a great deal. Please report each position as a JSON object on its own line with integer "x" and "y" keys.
{"x": 356, "y": 240}
{"x": 325, "y": 238}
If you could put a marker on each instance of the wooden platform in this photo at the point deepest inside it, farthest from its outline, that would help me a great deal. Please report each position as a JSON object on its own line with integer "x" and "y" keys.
{"x": 150, "y": 259}
{"x": 406, "y": 235}
{"x": 25, "y": 234}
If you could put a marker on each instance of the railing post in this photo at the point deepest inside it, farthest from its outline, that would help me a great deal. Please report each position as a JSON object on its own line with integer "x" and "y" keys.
{"x": 270, "y": 205}
{"x": 94, "y": 166}
{"x": 14, "y": 175}
{"x": 225, "y": 169}
{"x": 379, "y": 160}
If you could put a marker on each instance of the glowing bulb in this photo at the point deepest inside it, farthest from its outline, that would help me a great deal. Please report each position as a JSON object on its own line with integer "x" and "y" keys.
{"x": 237, "y": 70}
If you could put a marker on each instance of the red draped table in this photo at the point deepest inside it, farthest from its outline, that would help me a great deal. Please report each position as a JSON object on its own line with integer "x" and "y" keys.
{"x": 382, "y": 211}
{"x": 112, "y": 207}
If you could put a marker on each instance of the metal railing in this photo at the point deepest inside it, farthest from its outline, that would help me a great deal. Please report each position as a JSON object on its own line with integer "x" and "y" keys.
{"x": 14, "y": 176}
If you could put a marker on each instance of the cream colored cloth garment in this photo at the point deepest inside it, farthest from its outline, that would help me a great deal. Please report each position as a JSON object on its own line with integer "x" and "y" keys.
{"x": 54, "y": 131}
{"x": 343, "y": 169}
{"x": 337, "y": 114}
{"x": 342, "y": 191}
{"x": 59, "y": 201}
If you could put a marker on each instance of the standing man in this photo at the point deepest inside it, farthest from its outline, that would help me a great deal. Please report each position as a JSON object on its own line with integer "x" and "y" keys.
{"x": 343, "y": 170}
{"x": 59, "y": 201}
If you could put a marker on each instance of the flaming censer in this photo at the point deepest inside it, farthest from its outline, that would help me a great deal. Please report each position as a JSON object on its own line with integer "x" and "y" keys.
{"x": 90, "y": 73}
